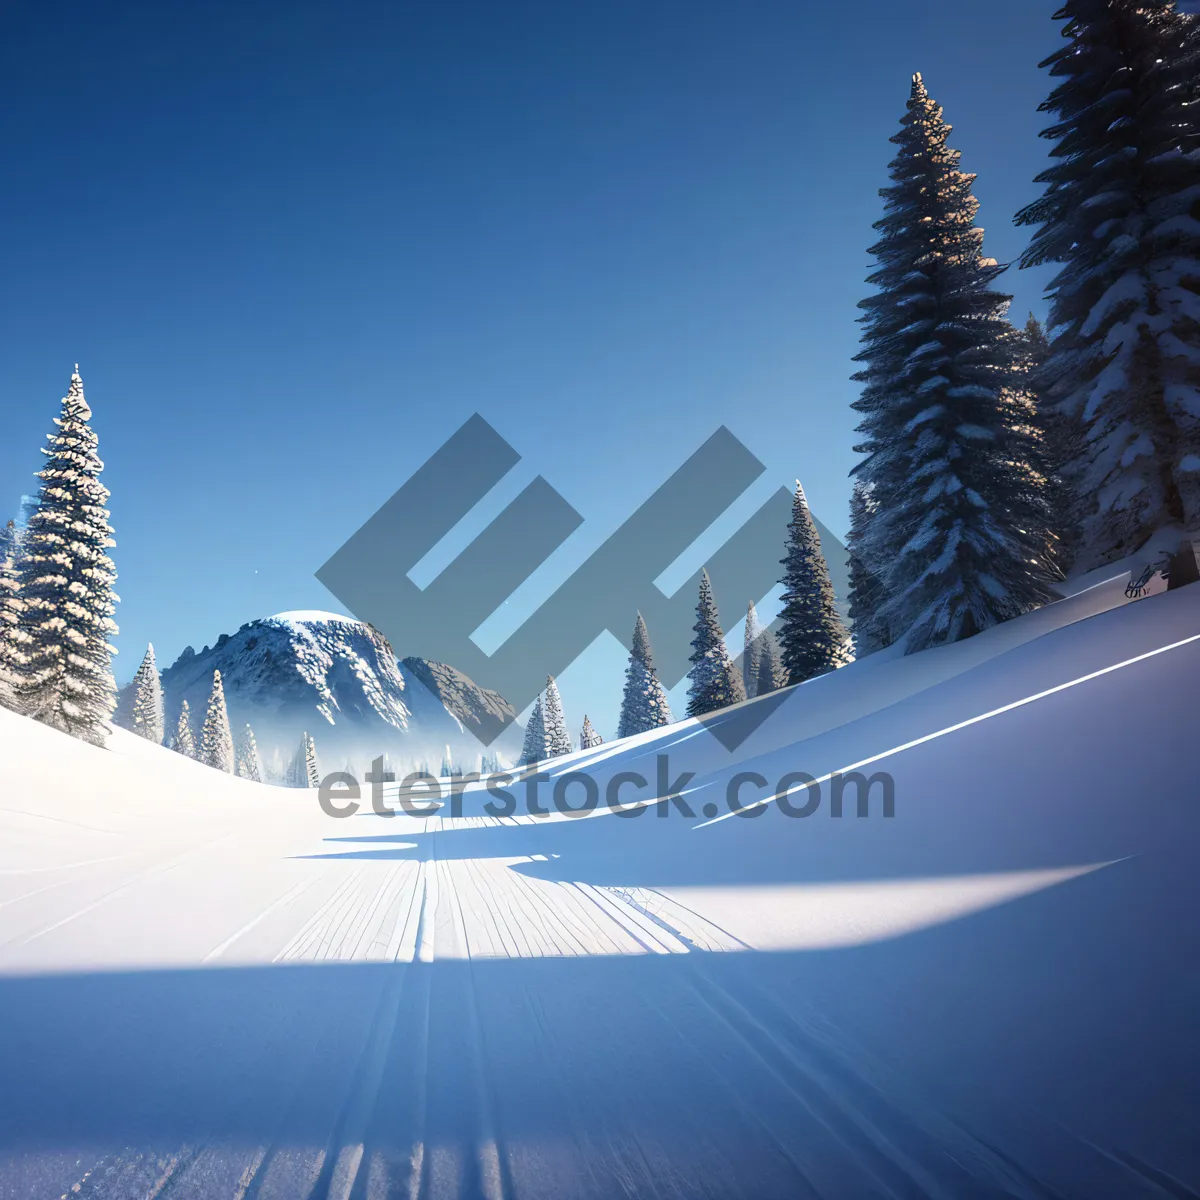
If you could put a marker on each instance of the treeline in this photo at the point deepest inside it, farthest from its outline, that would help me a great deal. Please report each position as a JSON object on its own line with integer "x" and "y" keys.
{"x": 996, "y": 458}
{"x": 57, "y": 603}
{"x": 811, "y": 641}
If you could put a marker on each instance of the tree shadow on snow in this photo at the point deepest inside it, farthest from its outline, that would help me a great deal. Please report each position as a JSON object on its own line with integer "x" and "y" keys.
{"x": 730, "y": 1071}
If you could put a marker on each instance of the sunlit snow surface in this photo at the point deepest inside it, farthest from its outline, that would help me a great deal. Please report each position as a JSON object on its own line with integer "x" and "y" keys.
{"x": 208, "y": 987}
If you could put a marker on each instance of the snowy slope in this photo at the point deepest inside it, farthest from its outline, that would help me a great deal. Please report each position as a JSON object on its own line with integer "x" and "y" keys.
{"x": 335, "y": 678}
{"x": 208, "y": 987}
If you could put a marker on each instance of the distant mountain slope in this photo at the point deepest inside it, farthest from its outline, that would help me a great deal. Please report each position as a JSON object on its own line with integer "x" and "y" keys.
{"x": 479, "y": 710}
{"x": 339, "y": 680}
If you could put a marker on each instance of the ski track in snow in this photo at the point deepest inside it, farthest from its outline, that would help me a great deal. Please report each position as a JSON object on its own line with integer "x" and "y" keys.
{"x": 473, "y": 1007}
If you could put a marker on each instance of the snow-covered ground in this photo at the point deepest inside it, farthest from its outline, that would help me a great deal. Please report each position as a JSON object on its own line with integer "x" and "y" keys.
{"x": 210, "y": 988}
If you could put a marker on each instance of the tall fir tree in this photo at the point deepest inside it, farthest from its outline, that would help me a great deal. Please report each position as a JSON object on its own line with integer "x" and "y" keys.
{"x": 589, "y": 739}
{"x": 811, "y": 633}
{"x": 1021, "y": 455}
{"x": 866, "y": 589}
{"x": 751, "y": 650}
{"x": 10, "y": 609}
{"x": 644, "y": 702}
{"x": 937, "y": 356}
{"x": 216, "y": 739}
{"x": 249, "y": 765}
{"x": 1121, "y": 216}
{"x": 1060, "y": 440}
{"x": 557, "y": 739}
{"x": 771, "y": 675}
{"x": 65, "y": 577}
{"x": 148, "y": 700}
{"x": 184, "y": 740}
{"x": 533, "y": 749}
{"x": 713, "y": 681}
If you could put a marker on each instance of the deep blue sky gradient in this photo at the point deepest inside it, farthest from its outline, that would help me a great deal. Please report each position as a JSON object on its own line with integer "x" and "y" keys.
{"x": 294, "y": 245}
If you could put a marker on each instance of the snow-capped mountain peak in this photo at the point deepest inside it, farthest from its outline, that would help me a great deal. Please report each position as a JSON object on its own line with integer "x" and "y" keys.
{"x": 338, "y": 679}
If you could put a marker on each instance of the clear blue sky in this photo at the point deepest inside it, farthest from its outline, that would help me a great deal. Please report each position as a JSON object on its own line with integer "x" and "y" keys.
{"x": 294, "y": 245}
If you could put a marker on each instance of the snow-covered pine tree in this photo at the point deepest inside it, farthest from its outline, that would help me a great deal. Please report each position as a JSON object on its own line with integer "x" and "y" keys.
{"x": 751, "y": 651}
{"x": 249, "y": 765}
{"x": 588, "y": 737}
{"x": 644, "y": 703}
{"x": 64, "y": 575}
{"x": 148, "y": 700}
{"x": 771, "y": 675}
{"x": 937, "y": 354}
{"x": 1062, "y": 444}
{"x": 10, "y": 608}
{"x": 554, "y": 725}
{"x": 810, "y": 631}
{"x": 1020, "y": 452}
{"x": 1121, "y": 214}
{"x": 216, "y": 739}
{"x": 303, "y": 771}
{"x": 1037, "y": 440}
{"x": 866, "y": 590}
{"x": 312, "y": 771}
{"x": 714, "y": 683}
{"x": 533, "y": 749}
{"x": 184, "y": 740}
